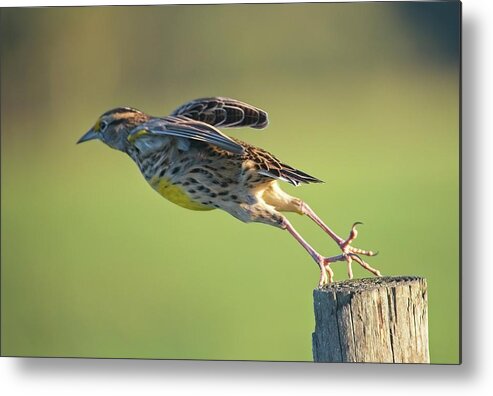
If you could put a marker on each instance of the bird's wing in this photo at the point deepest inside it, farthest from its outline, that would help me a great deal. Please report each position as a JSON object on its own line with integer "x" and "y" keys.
{"x": 223, "y": 112}
{"x": 184, "y": 127}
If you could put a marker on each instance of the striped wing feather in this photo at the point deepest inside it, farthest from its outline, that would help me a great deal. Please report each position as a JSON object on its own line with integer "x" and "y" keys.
{"x": 223, "y": 112}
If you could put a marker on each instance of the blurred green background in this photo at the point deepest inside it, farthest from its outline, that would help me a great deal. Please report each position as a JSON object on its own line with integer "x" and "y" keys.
{"x": 94, "y": 263}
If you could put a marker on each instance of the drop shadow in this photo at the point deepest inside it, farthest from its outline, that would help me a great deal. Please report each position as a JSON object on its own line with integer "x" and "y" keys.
{"x": 470, "y": 188}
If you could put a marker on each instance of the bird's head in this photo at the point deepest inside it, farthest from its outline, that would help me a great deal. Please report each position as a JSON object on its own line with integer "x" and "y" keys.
{"x": 114, "y": 126}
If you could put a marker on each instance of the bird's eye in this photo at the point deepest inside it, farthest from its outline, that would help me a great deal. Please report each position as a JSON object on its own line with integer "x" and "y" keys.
{"x": 103, "y": 125}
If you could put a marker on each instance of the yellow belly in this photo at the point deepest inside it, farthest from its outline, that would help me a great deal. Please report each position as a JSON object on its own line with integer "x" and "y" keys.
{"x": 176, "y": 194}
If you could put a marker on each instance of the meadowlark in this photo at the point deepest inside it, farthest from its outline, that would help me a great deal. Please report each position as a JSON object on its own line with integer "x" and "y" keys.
{"x": 187, "y": 160}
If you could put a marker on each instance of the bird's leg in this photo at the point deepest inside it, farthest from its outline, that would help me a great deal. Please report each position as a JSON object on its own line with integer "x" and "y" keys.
{"x": 326, "y": 273}
{"x": 349, "y": 253}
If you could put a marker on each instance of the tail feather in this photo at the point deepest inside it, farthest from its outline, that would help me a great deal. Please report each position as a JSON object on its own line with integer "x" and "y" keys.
{"x": 296, "y": 176}
{"x": 290, "y": 175}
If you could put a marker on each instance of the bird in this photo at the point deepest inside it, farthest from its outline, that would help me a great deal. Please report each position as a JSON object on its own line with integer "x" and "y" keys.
{"x": 190, "y": 162}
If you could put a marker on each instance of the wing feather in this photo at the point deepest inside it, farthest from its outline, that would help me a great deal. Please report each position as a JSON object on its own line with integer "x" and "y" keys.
{"x": 184, "y": 127}
{"x": 223, "y": 112}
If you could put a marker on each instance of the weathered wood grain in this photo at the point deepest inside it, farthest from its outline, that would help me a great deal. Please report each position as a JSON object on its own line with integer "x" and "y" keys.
{"x": 372, "y": 320}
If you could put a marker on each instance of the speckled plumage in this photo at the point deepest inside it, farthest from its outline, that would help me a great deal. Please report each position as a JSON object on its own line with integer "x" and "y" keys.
{"x": 240, "y": 184}
{"x": 186, "y": 159}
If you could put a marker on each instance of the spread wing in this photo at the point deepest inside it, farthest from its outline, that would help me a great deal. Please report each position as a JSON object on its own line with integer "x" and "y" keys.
{"x": 184, "y": 127}
{"x": 223, "y": 112}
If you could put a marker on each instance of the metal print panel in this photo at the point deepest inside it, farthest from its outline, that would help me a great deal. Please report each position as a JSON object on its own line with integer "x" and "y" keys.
{"x": 193, "y": 223}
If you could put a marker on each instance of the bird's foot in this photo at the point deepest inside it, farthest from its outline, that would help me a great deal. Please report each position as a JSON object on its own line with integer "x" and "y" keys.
{"x": 349, "y": 253}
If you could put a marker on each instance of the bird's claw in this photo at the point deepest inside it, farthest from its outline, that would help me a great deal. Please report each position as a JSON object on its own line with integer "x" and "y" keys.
{"x": 349, "y": 254}
{"x": 326, "y": 273}
{"x": 346, "y": 247}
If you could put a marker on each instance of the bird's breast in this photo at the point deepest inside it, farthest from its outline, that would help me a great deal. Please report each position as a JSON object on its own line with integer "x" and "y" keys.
{"x": 176, "y": 194}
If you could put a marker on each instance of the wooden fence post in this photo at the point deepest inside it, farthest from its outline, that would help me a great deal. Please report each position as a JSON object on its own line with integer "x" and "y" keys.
{"x": 372, "y": 320}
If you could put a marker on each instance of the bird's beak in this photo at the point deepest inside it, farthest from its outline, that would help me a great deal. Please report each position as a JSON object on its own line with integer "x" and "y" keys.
{"x": 89, "y": 135}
